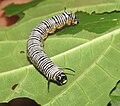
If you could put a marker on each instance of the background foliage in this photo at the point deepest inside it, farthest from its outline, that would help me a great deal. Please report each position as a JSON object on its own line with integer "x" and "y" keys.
{"x": 91, "y": 48}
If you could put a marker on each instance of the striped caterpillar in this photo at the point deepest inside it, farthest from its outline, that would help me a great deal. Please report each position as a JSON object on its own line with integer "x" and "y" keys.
{"x": 36, "y": 53}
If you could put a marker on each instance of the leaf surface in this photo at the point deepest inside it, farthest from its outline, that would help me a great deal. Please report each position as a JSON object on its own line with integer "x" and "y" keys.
{"x": 91, "y": 48}
{"x": 115, "y": 95}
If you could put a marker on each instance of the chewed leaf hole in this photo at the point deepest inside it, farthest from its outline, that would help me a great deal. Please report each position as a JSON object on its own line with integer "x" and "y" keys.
{"x": 22, "y": 51}
{"x": 14, "y": 86}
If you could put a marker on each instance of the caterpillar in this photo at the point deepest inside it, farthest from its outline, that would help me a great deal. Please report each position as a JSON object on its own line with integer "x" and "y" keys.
{"x": 36, "y": 53}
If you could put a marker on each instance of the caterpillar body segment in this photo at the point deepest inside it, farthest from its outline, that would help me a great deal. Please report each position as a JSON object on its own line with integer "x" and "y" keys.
{"x": 35, "y": 50}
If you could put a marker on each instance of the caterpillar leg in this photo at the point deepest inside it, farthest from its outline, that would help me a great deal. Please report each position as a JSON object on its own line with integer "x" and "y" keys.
{"x": 69, "y": 22}
{"x": 60, "y": 26}
{"x": 52, "y": 30}
{"x": 45, "y": 36}
{"x": 42, "y": 44}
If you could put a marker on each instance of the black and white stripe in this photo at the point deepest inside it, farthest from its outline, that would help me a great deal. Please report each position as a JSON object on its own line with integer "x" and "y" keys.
{"x": 35, "y": 50}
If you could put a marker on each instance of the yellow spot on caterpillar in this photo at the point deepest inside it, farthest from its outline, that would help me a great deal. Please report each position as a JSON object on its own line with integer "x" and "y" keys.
{"x": 45, "y": 36}
{"x": 51, "y": 30}
{"x": 60, "y": 26}
{"x": 68, "y": 22}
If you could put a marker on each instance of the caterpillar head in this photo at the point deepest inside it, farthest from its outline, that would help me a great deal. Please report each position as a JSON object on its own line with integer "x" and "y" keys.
{"x": 72, "y": 18}
{"x": 61, "y": 79}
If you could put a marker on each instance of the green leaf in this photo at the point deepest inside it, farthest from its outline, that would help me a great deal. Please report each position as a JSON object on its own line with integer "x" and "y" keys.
{"x": 94, "y": 79}
{"x": 14, "y": 9}
{"x": 91, "y": 48}
{"x": 51, "y": 6}
{"x": 96, "y": 64}
{"x": 93, "y": 23}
